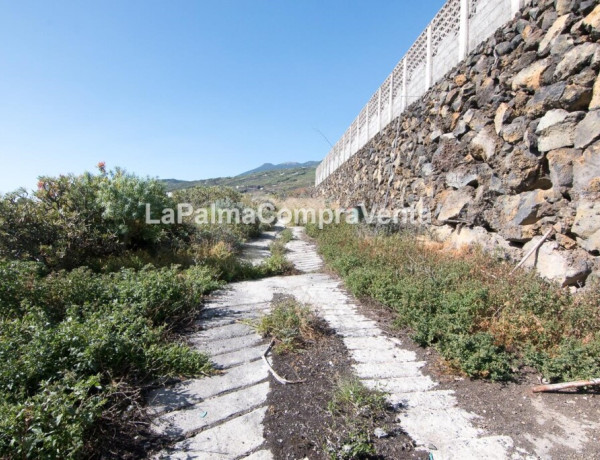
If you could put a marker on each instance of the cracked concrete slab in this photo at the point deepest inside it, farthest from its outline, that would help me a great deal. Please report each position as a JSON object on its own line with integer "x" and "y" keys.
{"x": 235, "y": 358}
{"x": 228, "y": 441}
{"x": 181, "y": 423}
{"x": 401, "y": 385}
{"x": 226, "y": 331}
{"x": 388, "y": 370}
{"x": 195, "y": 391}
{"x": 382, "y": 356}
{"x": 218, "y": 347}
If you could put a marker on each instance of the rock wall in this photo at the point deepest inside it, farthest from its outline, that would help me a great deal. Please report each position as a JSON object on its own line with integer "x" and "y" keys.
{"x": 503, "y": 149}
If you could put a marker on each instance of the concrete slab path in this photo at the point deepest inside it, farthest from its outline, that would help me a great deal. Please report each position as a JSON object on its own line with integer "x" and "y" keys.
{"x": 221, "y": 417}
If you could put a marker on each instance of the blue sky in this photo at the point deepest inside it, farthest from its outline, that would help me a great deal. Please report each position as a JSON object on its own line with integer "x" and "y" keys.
{"x": 188, "y": 89}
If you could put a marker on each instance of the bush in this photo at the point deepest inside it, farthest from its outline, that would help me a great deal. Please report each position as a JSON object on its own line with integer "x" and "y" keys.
{"x": 92, "y": 295}
{"x": 219, "y": 199}
{"x": 276, "y": 263}
{"x": 62, "y": 330}
{"x": 72, "y": 220}
{"x": 467, "y": 307}
{"x": 286, "y": 236}
{"x": 16, "y": 280}
{"x": 53, "y": 423}
{"x": 123, "y": 199}
{"x": 478, "y": 356}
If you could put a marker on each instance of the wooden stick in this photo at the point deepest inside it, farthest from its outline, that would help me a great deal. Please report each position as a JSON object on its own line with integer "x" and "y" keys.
{"x": 275, "y": 374}
{"x": 566, "y": 385}
{"x": 535, "y": 248}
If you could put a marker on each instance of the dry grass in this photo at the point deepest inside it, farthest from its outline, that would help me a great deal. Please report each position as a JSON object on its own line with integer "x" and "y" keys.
{"x": 291, "y": 324}
{"x": 301, "y": 206}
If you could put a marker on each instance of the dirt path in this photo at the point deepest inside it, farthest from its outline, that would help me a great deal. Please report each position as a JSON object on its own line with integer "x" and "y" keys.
{"x": 222, "y": 417}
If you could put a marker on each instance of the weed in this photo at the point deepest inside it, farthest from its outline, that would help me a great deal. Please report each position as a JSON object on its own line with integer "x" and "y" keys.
{"x": 356, "y": 446}
{"x": 286, "y": 236}
{"x": 359, "y": 408}
{"x": 277, "y": 248}
{"x": 276, "y": 263}
{"x": 351, "y": 398}
{"x": 290, "y": 324}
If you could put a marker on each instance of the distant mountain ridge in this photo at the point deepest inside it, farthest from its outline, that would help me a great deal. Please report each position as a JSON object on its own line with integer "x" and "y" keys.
{"x": 275, "y": 167}
{"x": 280, "y": 178}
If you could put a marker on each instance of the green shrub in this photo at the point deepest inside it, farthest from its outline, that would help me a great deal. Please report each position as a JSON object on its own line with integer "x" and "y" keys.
{"x": 123, "y": 198}
{"x": 276, "y": 264}
{"x": 78, "y": 325}
{"x": 200, "y": 197}
{"x": 223, "y": 199}
{"x": 162, "y": 295}
{"x": 16, "y": 282}
{"x": 466, "y": 306}
{"x": 166, "y": 294}
{"x": 28, "y": 228}
{"x": 73, "y": 220}
{"x": 571, "y": 360}
{"x": 478, "y": 356}
{"x": 90, "y": 295}
{"x": 174, "y": 360}
{"x": 345, "y": 264}
{"x": 53, "y": 423}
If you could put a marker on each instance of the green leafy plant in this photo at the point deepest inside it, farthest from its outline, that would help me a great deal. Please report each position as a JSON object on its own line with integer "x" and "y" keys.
{"x": 73, "y": 220}
{"x": 465, "y": 304}
{"x": 54, "y": 422}
{"x": 66, "y": 328}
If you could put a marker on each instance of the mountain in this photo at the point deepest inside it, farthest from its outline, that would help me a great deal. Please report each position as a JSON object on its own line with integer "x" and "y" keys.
{"x": 288, "y": 165}
{"x": 278, "y": 179}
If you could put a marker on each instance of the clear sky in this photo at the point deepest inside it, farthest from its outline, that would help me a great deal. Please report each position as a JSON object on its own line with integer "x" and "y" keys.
{"x": 188, "y": 89}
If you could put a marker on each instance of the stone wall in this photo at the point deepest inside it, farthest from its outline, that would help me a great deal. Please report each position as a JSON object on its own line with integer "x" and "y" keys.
{"x": 504, "y": 148}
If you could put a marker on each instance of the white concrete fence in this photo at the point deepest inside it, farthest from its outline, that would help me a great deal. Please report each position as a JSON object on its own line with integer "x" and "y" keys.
{"x": 458, "y": 28}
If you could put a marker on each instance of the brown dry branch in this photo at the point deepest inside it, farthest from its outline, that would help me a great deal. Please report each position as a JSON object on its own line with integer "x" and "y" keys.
{"x": 565, "y": 385}
{"x": 535, "y": 248}
{"x": 275, "y": 374}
